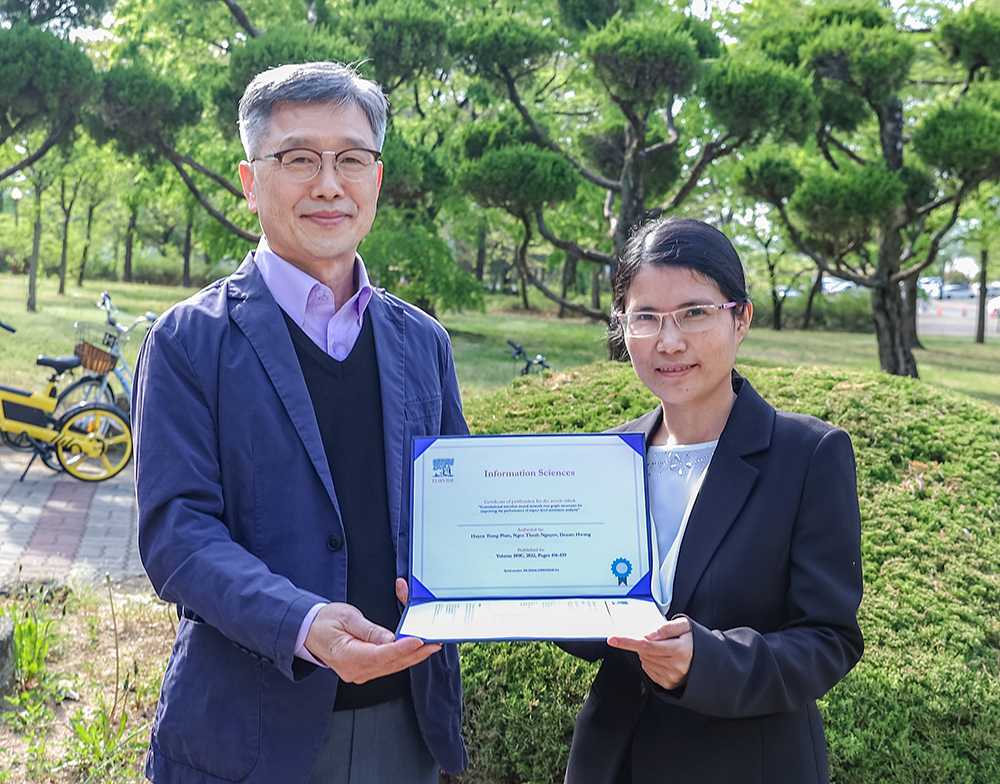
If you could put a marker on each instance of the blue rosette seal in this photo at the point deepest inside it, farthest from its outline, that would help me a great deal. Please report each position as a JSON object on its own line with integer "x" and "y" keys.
{"x": 621, "y": 569}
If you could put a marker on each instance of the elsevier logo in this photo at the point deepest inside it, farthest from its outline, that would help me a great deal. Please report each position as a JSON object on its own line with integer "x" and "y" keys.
{"x": 442, "y": 466}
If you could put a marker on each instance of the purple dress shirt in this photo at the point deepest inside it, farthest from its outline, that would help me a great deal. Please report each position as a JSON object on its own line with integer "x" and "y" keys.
{"x": 312, "y": 306}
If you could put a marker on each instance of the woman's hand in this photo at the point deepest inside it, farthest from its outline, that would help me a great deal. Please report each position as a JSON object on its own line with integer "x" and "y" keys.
{"x": 665, "y": 654}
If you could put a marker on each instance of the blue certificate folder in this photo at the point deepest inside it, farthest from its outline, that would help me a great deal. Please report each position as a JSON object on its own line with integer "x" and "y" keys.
{"x": 529, "y": 537}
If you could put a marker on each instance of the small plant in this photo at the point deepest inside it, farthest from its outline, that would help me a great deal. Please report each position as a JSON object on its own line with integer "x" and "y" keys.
{"x": 34, "y": 634}
{"x": 100, "y": 740}
{"x": 29, "y": 711}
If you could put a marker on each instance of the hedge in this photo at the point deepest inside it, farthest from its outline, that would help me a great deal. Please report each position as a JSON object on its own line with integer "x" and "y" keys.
{"x": 923, "y": 705}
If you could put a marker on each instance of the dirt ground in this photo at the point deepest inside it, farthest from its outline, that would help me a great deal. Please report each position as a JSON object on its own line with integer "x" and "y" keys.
{"x": 79, "y": 684}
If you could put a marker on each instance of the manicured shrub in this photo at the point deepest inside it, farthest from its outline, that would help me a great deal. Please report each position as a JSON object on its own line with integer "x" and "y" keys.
{"x": 924, "y": 703}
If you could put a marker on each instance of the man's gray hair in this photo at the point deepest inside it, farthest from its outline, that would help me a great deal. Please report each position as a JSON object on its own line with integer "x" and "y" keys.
{"x": 308, "y": 83}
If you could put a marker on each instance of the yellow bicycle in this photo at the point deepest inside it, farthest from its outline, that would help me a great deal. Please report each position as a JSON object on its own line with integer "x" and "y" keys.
{"x": 91, "y": 441}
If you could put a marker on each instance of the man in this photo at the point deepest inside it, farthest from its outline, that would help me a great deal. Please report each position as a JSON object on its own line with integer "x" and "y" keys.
{"x": 273, "y": 417}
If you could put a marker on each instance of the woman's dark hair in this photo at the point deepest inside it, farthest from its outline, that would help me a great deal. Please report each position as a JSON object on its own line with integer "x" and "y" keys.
{"x": 676, "y": 242}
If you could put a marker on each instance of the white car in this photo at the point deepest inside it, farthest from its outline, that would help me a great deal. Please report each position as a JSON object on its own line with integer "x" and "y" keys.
{"x": 957, "y": 291}
{"x": 993, "y": 306}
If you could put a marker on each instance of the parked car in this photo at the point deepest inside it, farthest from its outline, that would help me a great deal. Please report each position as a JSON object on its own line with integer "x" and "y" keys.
{"x": 957, "y": 291}
{"x": 993, "y": 307}
{"x": 930, "y": 286}
{"x": 840, "y": 286}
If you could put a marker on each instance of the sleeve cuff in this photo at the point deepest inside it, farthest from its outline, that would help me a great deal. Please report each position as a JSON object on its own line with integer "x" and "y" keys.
{"x": 300, "y": 641}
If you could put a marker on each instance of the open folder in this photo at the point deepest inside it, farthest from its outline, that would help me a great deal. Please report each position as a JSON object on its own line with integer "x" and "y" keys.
{"x": 533, "y": 537}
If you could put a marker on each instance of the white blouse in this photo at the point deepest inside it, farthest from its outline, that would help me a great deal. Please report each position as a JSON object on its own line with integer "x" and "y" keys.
{"x": 675, "y": 475}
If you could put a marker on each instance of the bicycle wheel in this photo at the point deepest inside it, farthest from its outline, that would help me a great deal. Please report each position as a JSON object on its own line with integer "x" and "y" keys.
{"x": 94, "y": 442}
{"x": 90, "y": 389}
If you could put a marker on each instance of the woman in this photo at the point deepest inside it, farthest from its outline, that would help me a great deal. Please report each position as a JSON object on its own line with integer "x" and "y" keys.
{"x": 757, "y": 537}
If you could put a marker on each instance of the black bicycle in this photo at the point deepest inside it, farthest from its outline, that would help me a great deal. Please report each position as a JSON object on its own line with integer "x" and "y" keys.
{"x": 536, "y": 365}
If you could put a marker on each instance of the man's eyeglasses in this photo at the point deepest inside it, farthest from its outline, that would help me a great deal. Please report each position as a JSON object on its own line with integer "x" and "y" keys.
{"x": 695, "y": 318}
{"x": 302, "y": 164}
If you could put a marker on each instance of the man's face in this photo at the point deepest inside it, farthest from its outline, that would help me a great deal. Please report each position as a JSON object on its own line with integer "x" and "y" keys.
{"x": 315, "y": 225}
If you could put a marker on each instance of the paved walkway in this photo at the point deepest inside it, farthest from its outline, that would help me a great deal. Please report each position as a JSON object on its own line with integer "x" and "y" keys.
{"x": 55, "y": 527}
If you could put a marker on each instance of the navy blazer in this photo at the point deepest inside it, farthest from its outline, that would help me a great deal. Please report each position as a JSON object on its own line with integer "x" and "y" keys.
{"x": 769, "y": 574}
{"x": 239, "y": 525}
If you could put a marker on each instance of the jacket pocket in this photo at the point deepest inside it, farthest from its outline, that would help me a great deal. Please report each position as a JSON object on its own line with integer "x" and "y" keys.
{"x": 208, "y": 716}
{"x": 423, "y": 416}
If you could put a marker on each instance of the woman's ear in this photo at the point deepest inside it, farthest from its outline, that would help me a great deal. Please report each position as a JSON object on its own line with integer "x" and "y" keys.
{"x": 743, "y": 319}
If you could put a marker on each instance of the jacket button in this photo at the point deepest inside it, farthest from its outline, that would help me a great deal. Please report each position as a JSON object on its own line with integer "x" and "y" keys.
{"x": 334, "y": 542}
{"x": 642, "y": 689}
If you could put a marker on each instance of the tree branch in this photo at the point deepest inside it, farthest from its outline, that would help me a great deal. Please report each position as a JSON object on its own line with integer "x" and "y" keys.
{"x": 934, "y": 205}
{"x": 844, "y": 148}
{"x": 837, "y": 270}
{"x": 935, "y": 245}
{"x": 174, "y": 158}
{"x": 238, "y": 193}
{"x": 709, "y": 153}
{"x": 825, "y": 149}
{"x": 543, "y": 137}
{"x": 241, "y": 18}
{"x": 52, "y": 138}
{"x": 569, "y": 245}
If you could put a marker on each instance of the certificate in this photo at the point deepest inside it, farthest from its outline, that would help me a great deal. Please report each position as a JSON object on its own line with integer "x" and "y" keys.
{"x": 537, "y": 537}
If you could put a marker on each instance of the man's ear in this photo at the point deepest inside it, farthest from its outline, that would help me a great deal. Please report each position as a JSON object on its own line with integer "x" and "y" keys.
{"x": 246, "y": 178}
{"x": 378, "y": 184}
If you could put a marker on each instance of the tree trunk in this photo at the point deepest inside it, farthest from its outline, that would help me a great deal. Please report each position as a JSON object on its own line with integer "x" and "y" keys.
{"x": 632, "y": 209}
{"x": 890, "y": 327}
{"x": 911, "y": 303}
{"x": 133, "y": 219}
{"x": 481, "y": 252}
{"x": 888, "y": 308}
{"x": 595, "y": 288}
{"x": 568, "y": 278}
{"x": 86, "y": 245}
{"x": 817, "y": 289}
{"x": 186, "y": 275}
{"x": 981, "y": 316}
{"x": 65, "y": 235}
{"x": 777, "y": 302}
{"x": 36, "y": 246}
{"x": 521, "y": 261}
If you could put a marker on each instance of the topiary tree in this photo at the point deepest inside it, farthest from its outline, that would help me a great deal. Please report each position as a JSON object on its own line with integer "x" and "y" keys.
{"x": 867, "y": 212}
{"x": 635, "y": 72}
{"x": 142, "y": 113}
{"x": 500, "y": 170}
{"x": 44, "y": 82}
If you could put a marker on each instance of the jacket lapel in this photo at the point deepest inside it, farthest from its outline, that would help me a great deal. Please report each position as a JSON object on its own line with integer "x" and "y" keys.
{"x": 258, "y": 316}
{"x": 387, "y": 325}
{"x": 725, "y": 490}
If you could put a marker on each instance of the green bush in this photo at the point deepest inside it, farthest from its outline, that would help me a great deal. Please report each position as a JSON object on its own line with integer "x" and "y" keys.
{"x": 849, "y": 311}
{"x": 923, "y": 705}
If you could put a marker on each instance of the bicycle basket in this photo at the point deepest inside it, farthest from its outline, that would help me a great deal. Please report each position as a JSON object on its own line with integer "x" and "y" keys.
{"x": 94, "y": 344}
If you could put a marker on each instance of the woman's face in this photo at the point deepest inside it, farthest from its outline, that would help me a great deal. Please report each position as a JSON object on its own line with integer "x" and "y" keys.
{"x": 687, "y": 371}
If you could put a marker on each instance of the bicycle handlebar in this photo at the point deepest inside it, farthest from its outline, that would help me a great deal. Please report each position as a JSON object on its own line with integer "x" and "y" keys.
{"x": 7, "y": 327}
{"x": 108, "y": 307}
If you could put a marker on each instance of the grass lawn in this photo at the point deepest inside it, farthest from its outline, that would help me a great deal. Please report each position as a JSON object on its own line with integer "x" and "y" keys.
{"x": 482, "y": 355}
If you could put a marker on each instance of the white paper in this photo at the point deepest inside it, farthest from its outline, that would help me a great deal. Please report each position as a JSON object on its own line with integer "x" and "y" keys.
{"x": 523, "y": 619}
{"x": 533, "y": 519}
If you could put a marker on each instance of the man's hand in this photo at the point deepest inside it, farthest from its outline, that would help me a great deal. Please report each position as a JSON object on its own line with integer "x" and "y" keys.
{"x": 359, "y": 650}
{"x": 665, "y": 654}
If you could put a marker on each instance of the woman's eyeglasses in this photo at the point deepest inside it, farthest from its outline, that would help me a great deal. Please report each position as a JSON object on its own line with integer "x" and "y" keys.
{"x": 302, "y": 164}
{"x": 694, "y": 318}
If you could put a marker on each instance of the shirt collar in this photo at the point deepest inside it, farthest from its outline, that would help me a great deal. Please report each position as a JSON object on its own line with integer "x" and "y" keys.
{"x": 291, "y": 287}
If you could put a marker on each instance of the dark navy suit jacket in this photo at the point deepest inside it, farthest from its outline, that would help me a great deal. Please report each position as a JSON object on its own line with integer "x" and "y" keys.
{"x": 769, "y": 574}
{"x": 239, "y": 525}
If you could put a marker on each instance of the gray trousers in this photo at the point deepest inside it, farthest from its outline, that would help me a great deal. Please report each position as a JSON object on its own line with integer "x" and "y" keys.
{"x": 377, "y": 745}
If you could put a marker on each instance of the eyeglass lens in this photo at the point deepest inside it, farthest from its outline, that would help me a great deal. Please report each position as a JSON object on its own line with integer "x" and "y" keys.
{"x": 641, "y": 324}
{"x": 305, "y": 164}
